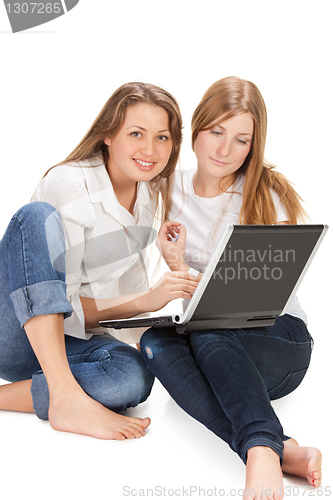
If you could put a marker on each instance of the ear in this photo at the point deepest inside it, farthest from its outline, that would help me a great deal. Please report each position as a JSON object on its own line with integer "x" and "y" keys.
{"x": 107, "y": 141}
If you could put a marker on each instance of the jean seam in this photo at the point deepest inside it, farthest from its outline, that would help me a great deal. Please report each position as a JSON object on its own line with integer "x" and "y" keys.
{"x": 28, "y": 301}
{"x": 291, "y": 342}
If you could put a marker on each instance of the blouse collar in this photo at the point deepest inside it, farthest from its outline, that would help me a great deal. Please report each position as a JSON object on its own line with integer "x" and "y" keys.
{"x": 100, "y": 189}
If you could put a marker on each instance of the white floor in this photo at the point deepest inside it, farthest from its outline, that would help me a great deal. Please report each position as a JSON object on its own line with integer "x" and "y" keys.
{"x": 177, "y": 457}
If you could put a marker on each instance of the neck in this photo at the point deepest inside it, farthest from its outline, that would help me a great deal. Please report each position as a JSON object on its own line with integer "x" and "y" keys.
{"x": 125, "y": 190}
{"x": 211, "y": 187}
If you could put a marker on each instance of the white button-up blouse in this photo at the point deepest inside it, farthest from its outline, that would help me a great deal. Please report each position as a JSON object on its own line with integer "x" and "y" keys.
{"x": 105, "y": 244}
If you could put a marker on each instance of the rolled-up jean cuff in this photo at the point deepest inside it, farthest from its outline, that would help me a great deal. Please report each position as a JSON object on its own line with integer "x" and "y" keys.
{"x": 46, "y": 297}
{"x": 262, "y": 441}
{"x": 40, "y": 395}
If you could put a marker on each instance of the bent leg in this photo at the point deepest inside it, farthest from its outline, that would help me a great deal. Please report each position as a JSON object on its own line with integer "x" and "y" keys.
{"x": 34, "y": 292}
{"x": 281, "y": 353}
{"x": 29, "y": 285}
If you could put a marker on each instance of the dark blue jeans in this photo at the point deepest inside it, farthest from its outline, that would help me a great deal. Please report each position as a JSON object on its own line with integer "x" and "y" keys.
{"x": 110, "y": 371}
{"x": 225, "y": 379}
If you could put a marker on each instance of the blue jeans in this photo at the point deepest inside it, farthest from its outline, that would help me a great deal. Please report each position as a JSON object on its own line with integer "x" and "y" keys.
{"x": 32, "y": 283}
{"x": 225, "y": 379}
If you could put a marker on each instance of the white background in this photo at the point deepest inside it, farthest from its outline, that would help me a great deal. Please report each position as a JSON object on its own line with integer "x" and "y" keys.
{"x": 54, "y": 80}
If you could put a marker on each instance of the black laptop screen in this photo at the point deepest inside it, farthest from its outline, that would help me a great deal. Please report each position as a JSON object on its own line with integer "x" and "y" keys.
{"x": 258, "y": 270}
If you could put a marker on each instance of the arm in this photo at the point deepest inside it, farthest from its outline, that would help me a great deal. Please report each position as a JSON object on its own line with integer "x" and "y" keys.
{"x": 171, "y": 242}
{"x": 73, "y": 203}
{"x": 171, "y": 286}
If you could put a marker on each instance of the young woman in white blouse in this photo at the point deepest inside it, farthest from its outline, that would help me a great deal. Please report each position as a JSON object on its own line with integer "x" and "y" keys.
{"x": 90, "y": 221}
{"x": 226, "y": 378}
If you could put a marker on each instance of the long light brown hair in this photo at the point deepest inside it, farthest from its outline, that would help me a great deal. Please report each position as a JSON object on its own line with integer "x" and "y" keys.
{"x": 110, "y": 120}
{"x": 230, "y": 97}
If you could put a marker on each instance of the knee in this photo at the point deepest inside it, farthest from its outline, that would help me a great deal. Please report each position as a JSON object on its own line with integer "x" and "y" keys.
{"x": 145, "y": 347}
{"x": 127, "y": 384}
{"x": 41, "y": 224}
{"x": 151, "y": 342}
{"x": 216, "y": 342}
{"x": 36, "y": 211}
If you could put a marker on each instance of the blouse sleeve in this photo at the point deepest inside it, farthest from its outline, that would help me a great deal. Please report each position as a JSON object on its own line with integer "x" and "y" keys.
{"x": 66, "y": 192}
{"x": 135, "y": 280}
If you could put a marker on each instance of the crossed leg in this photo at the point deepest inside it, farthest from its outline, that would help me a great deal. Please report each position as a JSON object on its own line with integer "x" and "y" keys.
{"x": 70, "y": 409}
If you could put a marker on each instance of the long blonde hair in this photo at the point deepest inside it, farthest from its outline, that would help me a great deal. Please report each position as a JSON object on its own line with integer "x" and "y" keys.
{"x": 232, "y": 96}
{"x": 110, "y": 120}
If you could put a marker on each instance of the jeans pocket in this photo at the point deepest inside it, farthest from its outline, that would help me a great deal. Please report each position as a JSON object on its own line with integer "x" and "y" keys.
{"x": 288, "y": 385}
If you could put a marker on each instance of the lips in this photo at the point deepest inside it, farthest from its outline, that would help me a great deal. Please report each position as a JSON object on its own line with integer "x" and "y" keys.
{"x": 220, "y": 163}
{"x": 144, "y": 165}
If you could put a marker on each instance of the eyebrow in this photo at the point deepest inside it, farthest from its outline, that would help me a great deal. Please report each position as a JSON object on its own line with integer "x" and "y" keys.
{"x": 238, "y": 133}
{"x": 141, "y": 128}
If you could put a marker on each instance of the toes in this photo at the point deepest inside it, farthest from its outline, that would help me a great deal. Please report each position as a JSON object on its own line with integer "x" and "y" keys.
{"x": 316, "y": 482}
{"x": 119, "y": 436}
{"x": 314, "y": 479}
{"x": 142, "y": 422}
{"x": 127, "y": 433}
{"x": 137, "y": 432}
{"x": 145, "y": 422}
{"x": 132, "y": 431}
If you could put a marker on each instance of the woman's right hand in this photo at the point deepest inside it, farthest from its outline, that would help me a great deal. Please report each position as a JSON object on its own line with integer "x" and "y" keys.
{"x": 172, "y": 285}
{"x": 171, "y": 243}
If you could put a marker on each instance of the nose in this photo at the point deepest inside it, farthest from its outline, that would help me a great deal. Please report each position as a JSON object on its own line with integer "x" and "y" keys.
{"x": 147, "y": 147}
{"x": 224, "y": 147}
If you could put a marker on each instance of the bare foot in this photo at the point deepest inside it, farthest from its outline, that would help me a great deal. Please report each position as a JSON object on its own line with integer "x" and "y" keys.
{"x": 264, "y": 480}
{"x": 81, "y": 414}
{"x": 302, "y": 461}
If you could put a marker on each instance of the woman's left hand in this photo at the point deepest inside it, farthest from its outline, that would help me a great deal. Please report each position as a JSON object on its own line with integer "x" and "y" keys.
{"x": 171, "y": 243}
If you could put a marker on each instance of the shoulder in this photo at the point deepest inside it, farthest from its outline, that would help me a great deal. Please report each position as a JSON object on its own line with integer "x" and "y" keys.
{"x": 280, "y": 208}
{"x": 73, "y": 172}
{"x": 63, "y": 174}
{"x": 69, "y": 180}
{"x": 238, "y": 184}
{"x": 275, "y": 197}
{"x": 62, "y": 182}
{"x": 185, "y": 174}
{"x": 183, "y": 180}
{"x": 65, "y": 188}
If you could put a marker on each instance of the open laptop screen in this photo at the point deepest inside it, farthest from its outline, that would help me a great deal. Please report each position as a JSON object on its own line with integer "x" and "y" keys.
{"x": 258, "y": 270}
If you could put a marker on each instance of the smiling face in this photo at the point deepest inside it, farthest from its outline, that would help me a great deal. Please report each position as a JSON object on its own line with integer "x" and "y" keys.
{"x": 141, "y": 148}
{"x": 222, "y": 149}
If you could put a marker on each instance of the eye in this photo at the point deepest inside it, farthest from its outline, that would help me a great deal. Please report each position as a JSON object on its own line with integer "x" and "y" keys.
{"x": 215, "y": 132}
{"x": 135, "y": 134}
{"x": 163, "y": 138}
{"x": 240, "y": 141}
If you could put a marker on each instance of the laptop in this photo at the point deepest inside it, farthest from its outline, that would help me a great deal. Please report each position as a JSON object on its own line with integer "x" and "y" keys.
{"x": 251, "y": 278}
